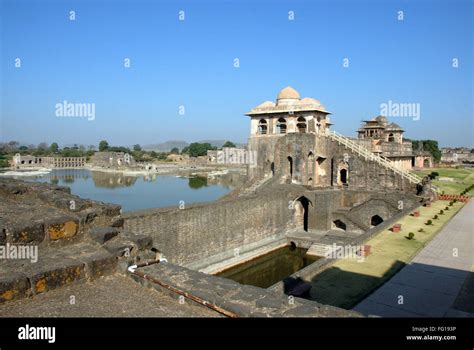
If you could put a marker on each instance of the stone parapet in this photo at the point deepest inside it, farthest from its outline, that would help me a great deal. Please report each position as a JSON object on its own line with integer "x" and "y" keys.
{"x": 231, "y": 298}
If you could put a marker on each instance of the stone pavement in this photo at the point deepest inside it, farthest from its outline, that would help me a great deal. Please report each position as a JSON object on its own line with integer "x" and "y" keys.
{"x": 438, "y": 282}
{"x": 110, "y": 296}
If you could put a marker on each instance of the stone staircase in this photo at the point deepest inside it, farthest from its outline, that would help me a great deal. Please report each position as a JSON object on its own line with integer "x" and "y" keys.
{"x": 252, "y": 188}
{"x": 320, "y": 249}
{"x": 368, "y": 155}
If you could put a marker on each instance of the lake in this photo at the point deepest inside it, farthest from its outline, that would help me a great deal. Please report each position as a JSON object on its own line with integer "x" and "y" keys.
{"x": 134, "y": 192}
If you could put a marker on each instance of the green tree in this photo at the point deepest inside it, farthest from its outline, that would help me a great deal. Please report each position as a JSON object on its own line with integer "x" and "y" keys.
{"x": 174, "y": 150}
{"x": 197, "y": 149}
{"x": 430, "y": 146}
{"x": 103, "y": 146}
{"x": 54, "y": 148}
{"x": 137, "y": 148}
{"x": 228, "y": 144}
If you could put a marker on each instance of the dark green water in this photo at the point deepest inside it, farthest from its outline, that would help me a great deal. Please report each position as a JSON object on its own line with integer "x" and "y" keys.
{"x": 268, "y": 269}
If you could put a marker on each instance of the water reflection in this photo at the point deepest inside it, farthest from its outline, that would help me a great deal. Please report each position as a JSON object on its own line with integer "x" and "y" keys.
{"x": 112, "y": 180}
{"x": 134, "y": 192}
{"x": 197, "y": 182}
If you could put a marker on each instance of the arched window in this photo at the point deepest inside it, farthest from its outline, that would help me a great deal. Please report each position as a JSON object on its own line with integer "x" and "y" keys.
{"x": 262, "y": 127}
{"x": 391, "y": 138}
{"x": 281, "y": 126}
{"x": 301, "y": 125}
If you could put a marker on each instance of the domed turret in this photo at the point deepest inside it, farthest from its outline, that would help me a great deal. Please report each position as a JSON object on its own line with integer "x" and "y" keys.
{"x": 287, "y": 96}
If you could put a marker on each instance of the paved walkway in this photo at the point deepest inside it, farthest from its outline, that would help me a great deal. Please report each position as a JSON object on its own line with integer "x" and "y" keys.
{"x": 435, "y": 280}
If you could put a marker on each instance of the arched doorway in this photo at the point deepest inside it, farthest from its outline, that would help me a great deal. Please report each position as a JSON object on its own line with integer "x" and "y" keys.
{"x": 343, "y": 176}
{"x": 290, "y": 168}
{"x": 426, "y": 163}
{"x": 375, "y": 220}
{"x": 272, "y": 168}
{"x": 301, "y": 206}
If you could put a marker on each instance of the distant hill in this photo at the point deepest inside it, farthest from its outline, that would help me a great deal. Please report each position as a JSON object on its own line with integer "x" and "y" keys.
{"x": 220, "y": 143}
{"x": 165, "y": 146}
{"x": 169, "y": 145}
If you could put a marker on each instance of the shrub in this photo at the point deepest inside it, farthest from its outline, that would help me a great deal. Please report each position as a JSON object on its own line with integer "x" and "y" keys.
{"x": 429, "y": 222}
{"x": 411, "y": 236}
{"x": 455, "y": 200}
{"x": 421, "y": 230}
{"x": 435, "y": 217}
{"x": 447, "y": 208}
{"x": 441, "y": 212}
{"x": 450, "y": 204}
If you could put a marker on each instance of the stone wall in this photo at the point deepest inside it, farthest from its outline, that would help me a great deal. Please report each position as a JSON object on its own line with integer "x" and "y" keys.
{"x": 316, "y": 161}
{"x": 200, "y": 231}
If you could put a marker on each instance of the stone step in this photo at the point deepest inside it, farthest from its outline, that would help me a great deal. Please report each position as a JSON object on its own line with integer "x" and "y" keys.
{"x": 319, "y": 249}
{"x": 49, "y": 268}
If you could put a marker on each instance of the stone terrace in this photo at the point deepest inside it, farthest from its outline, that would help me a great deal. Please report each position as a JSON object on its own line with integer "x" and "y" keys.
{"x": 84, "y": 251}
{"x": 76, "y": 239}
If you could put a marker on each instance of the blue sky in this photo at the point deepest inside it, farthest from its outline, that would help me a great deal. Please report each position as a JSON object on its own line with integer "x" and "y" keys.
{"x": 190, "y": 63}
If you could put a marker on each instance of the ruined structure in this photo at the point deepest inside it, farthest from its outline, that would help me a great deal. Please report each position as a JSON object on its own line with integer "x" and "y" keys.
{"x": 112, "y": 160}
{"x": 28, "y": 161}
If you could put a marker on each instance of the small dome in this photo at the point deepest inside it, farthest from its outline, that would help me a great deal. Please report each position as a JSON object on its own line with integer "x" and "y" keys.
{"x": 288, "y": 93}
{"x": 266, "y": 104}
{"x": 310, "y": 101}
{"x": 382, "y": 119}
{"x": 394, "y": 126}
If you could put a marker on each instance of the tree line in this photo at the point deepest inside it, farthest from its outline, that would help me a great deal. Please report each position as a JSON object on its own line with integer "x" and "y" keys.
{"x": 8, "y": 149}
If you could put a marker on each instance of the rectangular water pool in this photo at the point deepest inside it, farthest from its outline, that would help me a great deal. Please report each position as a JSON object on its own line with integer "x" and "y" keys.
{"x": 268, "y": 269}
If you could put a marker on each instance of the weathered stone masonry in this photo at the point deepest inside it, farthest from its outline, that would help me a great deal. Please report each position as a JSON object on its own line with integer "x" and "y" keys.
{"x": 199, "y": 231}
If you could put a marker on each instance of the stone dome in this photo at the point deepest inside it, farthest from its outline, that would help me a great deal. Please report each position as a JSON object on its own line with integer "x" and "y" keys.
{"x": 266, "y": 104}
{"x": 310, "y": 101}
{"x": 382, "y": 120}
{"x": 288, "y": 94}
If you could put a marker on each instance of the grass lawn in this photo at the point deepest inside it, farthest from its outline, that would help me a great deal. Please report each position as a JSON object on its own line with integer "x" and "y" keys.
{"x": 348, "y": 282}
{"x": 462, "y": 178}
